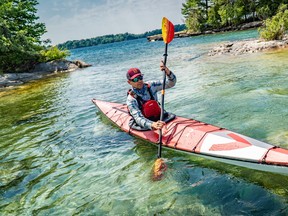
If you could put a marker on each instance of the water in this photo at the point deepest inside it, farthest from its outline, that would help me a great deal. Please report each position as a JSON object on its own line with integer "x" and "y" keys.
{"x": 59, "y": 156}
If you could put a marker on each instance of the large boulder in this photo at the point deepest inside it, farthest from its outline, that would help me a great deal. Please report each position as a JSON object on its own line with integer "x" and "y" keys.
{"x": 55, "y": 66}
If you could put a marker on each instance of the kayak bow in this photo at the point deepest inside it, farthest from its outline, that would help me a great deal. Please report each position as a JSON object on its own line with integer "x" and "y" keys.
{"x": 205, "y": 140}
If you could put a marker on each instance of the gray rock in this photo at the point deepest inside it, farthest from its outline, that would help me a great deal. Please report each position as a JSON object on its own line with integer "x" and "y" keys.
{"x": 81, "y": 64}
{"x": 248, "y": 46}
{"x": 39, "y": 71}
{"x": 255, "y": 24}
{"x": 55, "y": 66}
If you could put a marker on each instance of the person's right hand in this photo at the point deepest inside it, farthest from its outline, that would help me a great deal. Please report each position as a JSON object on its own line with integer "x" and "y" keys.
{"x": 158, "y": 125}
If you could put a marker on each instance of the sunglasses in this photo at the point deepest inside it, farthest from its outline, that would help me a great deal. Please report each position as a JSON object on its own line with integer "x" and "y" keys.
{"x": 136, "y": 79}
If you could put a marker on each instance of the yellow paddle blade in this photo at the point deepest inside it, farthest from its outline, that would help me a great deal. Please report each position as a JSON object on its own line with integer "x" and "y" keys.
{"x": 167, "y": 30}
{"x": 159, "y": 169}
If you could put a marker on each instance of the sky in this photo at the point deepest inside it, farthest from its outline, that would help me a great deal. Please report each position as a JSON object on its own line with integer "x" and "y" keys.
{"x": 81, "y": 19}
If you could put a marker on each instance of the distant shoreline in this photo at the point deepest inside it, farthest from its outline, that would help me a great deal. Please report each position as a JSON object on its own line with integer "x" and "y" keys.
{"x": 233, "y": 48}
{"x": 186, "y": 33}
{"x": 10, "y": 80}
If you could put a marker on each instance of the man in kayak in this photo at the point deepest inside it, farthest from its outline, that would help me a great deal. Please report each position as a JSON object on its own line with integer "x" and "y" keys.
{"x": 142, "y": 98}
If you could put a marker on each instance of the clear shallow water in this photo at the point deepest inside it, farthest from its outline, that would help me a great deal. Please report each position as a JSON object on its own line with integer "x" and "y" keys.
{"x": 59, "y": 156}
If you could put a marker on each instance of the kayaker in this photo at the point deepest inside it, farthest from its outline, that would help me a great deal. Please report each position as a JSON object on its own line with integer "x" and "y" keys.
{"x": 142, "y": 98}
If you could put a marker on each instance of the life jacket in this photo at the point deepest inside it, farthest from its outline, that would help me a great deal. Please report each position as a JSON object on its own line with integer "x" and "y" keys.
{"x": 150, "y": 108}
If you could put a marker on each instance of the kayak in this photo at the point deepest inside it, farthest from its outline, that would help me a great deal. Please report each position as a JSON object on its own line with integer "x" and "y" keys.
{"x": 205, "y": 140}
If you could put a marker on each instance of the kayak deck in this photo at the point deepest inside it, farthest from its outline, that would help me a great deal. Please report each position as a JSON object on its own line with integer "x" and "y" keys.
{"x": 200, "y": 138}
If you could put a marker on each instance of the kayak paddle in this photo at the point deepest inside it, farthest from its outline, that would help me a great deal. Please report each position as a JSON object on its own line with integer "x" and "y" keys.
{"x": 167, "y": 35}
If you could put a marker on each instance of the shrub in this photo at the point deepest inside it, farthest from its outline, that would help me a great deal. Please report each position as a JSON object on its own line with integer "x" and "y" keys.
{"x": 53, "y": 53}
{"x": 276, "y": 26}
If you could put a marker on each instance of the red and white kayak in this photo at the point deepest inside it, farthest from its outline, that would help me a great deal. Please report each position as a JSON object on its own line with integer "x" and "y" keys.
{"x": 205, "y": 140}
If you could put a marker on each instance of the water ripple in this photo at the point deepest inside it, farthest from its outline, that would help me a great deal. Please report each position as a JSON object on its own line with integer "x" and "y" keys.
{"x": 60, "y": 156}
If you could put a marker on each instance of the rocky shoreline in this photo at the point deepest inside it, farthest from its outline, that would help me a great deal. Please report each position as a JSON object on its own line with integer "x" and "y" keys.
{"x": 40, "y": 71}
{"x": 248, "y": 46}
{"x": 63, "y": 66}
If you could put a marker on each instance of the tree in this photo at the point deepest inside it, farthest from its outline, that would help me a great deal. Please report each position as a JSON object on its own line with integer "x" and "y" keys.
{"x": 268, "y": 8}
{"x": 202, "y": 14}
{"x": 213, "y": 16}
{"x": 192, "y": 15}
{"x": 276, "y": 26}
{"x": 20, "y": 36}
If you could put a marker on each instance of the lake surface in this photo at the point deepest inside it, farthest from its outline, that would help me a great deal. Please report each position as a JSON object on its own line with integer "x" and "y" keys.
{"x": 60, "y": 156}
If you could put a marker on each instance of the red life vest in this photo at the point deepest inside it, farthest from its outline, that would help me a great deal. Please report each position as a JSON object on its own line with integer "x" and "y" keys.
{"x": 150, "y": 109}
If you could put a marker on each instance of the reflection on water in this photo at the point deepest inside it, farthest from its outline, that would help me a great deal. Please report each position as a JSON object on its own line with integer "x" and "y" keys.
{"x": 59, "y": 156}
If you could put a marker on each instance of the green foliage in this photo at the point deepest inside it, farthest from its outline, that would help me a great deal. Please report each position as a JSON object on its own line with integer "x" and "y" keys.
{"x": 195, "y": 13}
{"x": 53, "y": 53}
{"x": 226, "y": 14}
{"x": 238, "y": 12}
{"x": 193, "y": 23}
{"x": 264, "y": 12}
{"x": 213, "y": 17}
{"x": 19, "y": 35}
{"x": 276, "y": 26}
{"x": 201, "y": 15}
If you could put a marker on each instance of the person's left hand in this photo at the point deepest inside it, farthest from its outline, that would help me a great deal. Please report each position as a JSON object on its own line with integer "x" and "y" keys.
{"x": 158, "y": 125}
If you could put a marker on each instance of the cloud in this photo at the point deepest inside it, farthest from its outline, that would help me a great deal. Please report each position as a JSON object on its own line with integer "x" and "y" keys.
{"x": 75, "y": 19}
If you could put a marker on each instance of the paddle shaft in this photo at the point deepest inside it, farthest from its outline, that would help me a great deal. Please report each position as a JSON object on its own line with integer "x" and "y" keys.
{"x": 162, "y": 101}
